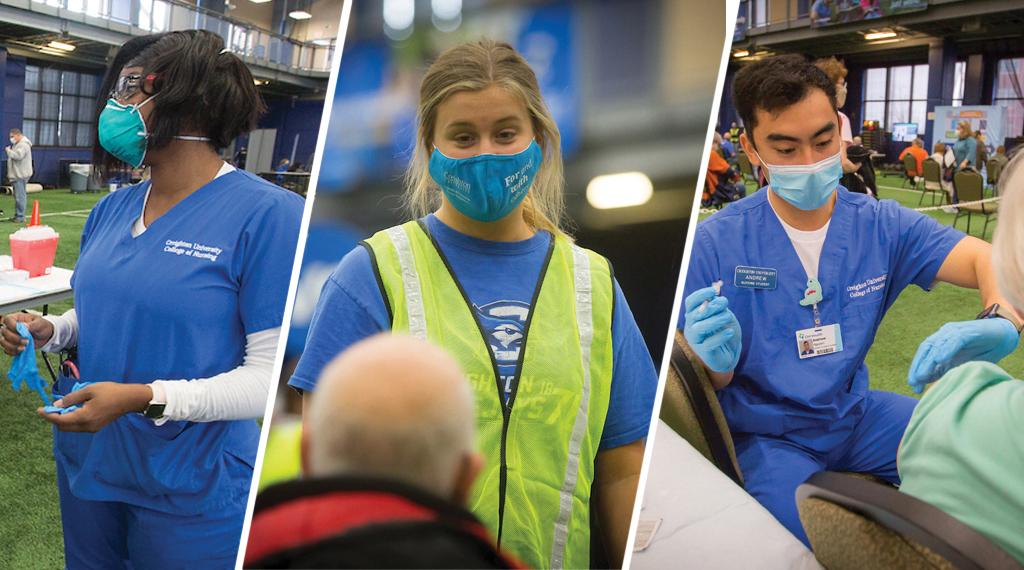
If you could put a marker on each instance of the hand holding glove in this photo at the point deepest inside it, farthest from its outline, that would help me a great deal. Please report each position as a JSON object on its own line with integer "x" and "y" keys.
{"x": 712, "y": 330}
{"x": 956, "y": 343}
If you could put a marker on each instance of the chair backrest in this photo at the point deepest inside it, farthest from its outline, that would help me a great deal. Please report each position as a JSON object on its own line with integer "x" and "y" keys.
{"x": 855, "y": 523}
{"x": 993, "y": 167}
{"x": 910, "y": 165}
{"x": 969, "y": 185}
{"x": 690, "y": 407}
{"x": 932, "y": 173}
{"x": 743, "y": 161}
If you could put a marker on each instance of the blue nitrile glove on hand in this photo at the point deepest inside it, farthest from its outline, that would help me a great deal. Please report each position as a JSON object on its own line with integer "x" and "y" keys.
{"x": 71, "y": 408}
{"x": 24, "y": 368}
{"x": 956, "y": 343}
{"x": 712, "y": 331}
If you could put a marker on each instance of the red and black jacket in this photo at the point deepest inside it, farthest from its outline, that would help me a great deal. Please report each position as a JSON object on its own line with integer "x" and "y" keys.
{"x": 365, "y": 523}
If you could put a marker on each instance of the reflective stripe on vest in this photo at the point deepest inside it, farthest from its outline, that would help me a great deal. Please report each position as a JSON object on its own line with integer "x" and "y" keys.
{"x": 540, "y": 459}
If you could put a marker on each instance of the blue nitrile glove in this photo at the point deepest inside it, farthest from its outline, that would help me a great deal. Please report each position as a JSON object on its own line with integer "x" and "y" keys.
{"x": 24, "y": 369}
{"x": 71, "y": 408}
{"x": 955, "y": 343}
{"x": 712, "y": 331}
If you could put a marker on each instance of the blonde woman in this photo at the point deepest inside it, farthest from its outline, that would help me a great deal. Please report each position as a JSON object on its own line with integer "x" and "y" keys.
{"x": 563, "y": 383}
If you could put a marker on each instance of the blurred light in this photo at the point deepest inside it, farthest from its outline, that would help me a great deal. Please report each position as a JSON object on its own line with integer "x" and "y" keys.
{"x": 879, "y": 35}
{"x": 61, "y": 46}
{"x": 889, "y": 41}
{"x": 741, "y": 53}
{"x": 50, "y": 51}
{"x": 300, "y": 15}
{"x": 446, "y": 14}
{"x": 259, "y": 82}
{"x": 323, "y": 41}
{"x": 619, "y": 190}
{"x": 259, "y": 1}
{"x": 398, "y": 18}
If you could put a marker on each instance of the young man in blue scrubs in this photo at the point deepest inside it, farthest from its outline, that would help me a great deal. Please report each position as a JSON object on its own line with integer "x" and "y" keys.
{"x": 809, "y": 270}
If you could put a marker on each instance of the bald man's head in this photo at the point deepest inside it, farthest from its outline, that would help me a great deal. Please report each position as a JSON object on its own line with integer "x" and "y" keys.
{"x": 396, "y": 408}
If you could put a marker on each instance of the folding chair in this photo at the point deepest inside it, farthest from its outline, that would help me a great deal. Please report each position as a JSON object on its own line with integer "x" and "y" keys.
{"x": 931, "y": 172}
{"x": 970, "y": 186}
{"x": 910, "y": 173}
{"x": 853, "y": 523}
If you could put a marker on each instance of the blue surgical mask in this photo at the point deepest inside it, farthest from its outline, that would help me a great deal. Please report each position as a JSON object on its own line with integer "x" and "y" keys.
{"x": 805, "y": 186}
{"x": 122, "y": 132}
{"x": 486, "y": 187}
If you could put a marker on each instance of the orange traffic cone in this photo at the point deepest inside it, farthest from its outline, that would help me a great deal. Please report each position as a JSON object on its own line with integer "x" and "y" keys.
{"x": 34, "y": 221}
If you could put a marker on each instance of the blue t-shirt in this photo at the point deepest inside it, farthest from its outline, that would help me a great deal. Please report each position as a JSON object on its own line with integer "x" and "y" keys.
{"x": 176, "y": 302}
{"x": 872, "y": 251}
{"x": 499, "y": 278}
{"x": 730, "y": 150}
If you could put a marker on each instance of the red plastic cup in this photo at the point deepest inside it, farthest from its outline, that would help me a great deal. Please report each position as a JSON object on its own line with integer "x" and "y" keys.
{"x": 33, "y": 249}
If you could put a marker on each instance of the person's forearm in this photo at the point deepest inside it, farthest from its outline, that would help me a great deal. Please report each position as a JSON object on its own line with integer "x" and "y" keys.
{"x": 615, "y": 485}
{"x": 988, "y": 289}
{"x": 240, "y": 393}
{"x": 65, "y": 332}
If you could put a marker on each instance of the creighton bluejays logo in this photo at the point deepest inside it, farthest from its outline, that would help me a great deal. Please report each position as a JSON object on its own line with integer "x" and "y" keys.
{"x": 504, "y": 322}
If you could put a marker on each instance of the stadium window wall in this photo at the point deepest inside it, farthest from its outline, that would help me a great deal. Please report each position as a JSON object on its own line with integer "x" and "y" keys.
{"x": 1008, "y": 91}
{"x": 59, "y": 106}
{"x": 899, "y": 94}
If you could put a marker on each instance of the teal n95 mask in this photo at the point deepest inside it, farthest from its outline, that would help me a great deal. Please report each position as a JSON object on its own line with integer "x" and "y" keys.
{"x": 806, "y": 186}
{"x": 486, "y": 187}
{"x": 122, "y": 131}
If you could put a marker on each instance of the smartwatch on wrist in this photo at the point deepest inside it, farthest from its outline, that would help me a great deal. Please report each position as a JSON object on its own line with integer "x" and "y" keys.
{"x": 995, "y": 311}
{"x": 155, "y": 409}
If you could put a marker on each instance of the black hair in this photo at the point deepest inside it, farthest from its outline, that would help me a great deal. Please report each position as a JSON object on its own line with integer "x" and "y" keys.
{"x": 775, "y": 83}
{"x": 201, "y": 88}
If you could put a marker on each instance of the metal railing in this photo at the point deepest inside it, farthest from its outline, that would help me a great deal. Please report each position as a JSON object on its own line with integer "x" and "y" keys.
{"x": 140, "y": 17}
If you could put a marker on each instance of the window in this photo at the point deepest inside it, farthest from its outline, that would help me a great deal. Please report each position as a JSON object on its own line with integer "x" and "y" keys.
{"x": 153, "y": 15}
{"x": 958, "y": 83}
{"x": 897, "y": 94}
{"x": 1009, "y": 92}
{"x": 60, "y": 106}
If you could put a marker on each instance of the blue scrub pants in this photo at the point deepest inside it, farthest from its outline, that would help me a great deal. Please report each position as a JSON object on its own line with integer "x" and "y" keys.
{"x": 773, "y": 467}
{"x": 113, "y": 535}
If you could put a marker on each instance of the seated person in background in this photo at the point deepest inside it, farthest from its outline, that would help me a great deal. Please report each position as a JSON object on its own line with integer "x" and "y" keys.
{"x": 389, "y": 459}
{"x": 805, "y": 256}
{"x": 944, "y": 156}
{"x": 916, "y": 150}
{"x": 722, "y": 183}
{"x": 728, "y": 150}
{"x": 857, "y": 141}
{"x": 1000, "y": 156}
{"x": 963, "y": 451}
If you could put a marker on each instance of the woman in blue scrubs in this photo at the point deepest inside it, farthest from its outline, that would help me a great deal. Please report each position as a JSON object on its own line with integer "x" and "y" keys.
{"x": 179, "y": 294}
{"x": 485, "y": 186}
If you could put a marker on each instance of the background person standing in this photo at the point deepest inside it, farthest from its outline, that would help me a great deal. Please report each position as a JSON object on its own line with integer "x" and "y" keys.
{"x": 19, "y": 170}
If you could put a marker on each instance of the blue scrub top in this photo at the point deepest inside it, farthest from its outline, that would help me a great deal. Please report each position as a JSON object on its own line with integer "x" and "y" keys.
{"x": 872, "y": 251}
{"x": 176, "y": 302}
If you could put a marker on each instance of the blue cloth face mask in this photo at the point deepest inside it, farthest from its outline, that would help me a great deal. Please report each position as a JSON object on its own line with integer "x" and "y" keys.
{"x": 806, "y": 186}
{"x": 122, "y": 131}
{"x": 486, "y": 187}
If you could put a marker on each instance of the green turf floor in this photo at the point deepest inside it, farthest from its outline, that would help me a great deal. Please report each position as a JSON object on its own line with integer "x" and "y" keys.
{"x": 917, "y": 314}
{"x": 30, "y": 532}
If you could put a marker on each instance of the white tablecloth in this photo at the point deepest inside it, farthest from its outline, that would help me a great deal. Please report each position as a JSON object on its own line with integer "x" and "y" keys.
{"x": 707, "y": 520}
{"x": 37, "y": 291}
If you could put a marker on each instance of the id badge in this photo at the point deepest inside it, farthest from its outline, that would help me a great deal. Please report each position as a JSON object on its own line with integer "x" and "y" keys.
{"x": 818, "y": 341}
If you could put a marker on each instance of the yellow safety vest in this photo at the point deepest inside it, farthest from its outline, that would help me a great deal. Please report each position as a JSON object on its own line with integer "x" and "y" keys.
{"x": 534, "y": 491}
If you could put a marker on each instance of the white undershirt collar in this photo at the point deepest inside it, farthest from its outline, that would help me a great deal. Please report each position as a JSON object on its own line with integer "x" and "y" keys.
{"x": 139, "y": 227}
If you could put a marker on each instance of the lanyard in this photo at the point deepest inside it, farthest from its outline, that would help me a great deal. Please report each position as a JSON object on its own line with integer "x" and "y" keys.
{"x": 813, "y": 296}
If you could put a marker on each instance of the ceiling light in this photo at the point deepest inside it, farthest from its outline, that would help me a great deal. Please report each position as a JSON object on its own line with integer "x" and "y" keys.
{"x": 259, "y": 1}
{"x": 300, "y": 15}
{"x": 619, "y": 190}
{"x": 323, "y": 41}
{"x": 740, "y": 53}
{"x": 879, "y": 35}
{"x": 50, "y": 51}
{"x": 61, "y": 46}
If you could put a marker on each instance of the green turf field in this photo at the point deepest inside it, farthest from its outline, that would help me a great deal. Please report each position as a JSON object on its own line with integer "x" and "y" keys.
{"x": 917, "y": 314}
{"x": 30, "y": 532}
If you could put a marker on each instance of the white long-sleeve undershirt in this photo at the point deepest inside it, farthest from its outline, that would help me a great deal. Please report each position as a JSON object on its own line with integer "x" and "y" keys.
{"x": 240, "y": 393}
